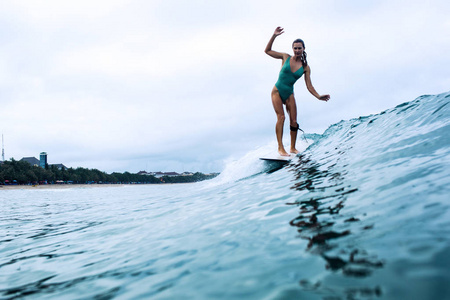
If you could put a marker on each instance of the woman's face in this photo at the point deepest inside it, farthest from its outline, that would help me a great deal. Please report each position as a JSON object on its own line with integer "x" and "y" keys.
{"x": 298, "y": 49}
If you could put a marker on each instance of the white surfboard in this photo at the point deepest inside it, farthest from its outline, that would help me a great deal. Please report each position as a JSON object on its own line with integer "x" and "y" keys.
{"x": 278, "y": 159}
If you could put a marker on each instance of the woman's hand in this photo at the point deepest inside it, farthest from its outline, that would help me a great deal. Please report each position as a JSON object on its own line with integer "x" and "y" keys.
{"x": 279, "y": 30}
{"x": 324, "y": 97}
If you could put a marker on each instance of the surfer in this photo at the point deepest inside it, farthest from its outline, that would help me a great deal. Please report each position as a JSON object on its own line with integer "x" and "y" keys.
{"x": 283, "y": 92}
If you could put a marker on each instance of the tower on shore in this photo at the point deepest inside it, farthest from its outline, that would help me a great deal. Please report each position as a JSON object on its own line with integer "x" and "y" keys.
{"x": 43, "y": 159}
{"x": 3, "y": 149}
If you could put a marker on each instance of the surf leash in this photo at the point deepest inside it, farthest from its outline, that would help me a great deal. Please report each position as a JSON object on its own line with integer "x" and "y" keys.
{"x": 298, "y": 128}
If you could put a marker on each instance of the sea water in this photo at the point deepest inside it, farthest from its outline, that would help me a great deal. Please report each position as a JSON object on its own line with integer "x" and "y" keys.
{"x": 362, "y": 213}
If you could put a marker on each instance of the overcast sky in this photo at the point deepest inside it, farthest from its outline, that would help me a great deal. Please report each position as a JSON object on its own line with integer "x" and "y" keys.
{"x": 122, "y": 85}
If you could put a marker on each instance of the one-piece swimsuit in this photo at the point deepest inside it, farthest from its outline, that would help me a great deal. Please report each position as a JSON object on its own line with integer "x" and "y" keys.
{"x": 286, "y": 80}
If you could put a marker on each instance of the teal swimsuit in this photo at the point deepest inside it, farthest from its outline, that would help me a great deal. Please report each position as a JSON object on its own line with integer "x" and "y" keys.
{"x": 286, "y": 80}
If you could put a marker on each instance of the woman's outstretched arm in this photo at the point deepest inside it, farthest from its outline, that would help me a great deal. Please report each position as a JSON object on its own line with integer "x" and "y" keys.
{"x": 311, "y": 88}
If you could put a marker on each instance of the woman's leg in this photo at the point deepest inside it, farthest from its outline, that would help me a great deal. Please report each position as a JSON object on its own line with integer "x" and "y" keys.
{"x": 291, "y": 108}
{"x": 278, "y": 106}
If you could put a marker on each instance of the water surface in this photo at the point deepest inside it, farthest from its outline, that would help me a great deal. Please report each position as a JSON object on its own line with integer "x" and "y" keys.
{"x": 363, "y": 213}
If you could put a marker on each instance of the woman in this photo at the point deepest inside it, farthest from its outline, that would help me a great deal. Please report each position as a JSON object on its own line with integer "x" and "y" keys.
{"x": 283, "y": 92}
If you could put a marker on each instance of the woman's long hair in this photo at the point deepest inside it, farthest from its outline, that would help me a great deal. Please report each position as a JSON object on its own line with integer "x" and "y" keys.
{"x": 303, "y": 58}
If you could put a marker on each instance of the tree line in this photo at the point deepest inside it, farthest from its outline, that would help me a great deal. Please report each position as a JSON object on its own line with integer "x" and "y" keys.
{"x": 21, "y": 172}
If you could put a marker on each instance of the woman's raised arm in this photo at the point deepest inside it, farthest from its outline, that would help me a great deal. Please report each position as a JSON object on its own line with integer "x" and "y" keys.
{"x": 268, "y": 50}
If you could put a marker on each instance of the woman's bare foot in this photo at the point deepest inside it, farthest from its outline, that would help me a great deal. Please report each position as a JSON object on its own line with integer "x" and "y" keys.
{"x": 294, "y": 151}
{"x": 282, "y": 152}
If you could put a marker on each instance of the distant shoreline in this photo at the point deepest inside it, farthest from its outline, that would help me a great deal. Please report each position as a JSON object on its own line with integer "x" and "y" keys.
{"x": 22, "y": 173}
{"x": 68, "y": 186}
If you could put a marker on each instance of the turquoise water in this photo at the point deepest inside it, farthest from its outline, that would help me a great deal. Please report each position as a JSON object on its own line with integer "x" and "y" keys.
{"x": 363, "y": 213}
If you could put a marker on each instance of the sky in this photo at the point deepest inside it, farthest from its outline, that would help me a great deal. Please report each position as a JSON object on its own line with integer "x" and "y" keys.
{"x": 174, "y": 85}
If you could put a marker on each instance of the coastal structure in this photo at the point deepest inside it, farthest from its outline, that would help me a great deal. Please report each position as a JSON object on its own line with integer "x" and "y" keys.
{"x": 3, "y": 149}
{"x": 43, "y": 159}
{"x": 31, "y": 160}
{"x": 170, "y": 174}
{"x": 42, "y": 162}
{"x": 159, "y": 174}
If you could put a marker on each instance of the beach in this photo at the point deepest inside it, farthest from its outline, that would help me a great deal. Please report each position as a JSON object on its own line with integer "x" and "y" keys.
{"x": 56, "y": 186}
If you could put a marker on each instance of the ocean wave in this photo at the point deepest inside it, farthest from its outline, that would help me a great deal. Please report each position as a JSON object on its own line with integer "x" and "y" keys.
{"x": 361, "y": 213}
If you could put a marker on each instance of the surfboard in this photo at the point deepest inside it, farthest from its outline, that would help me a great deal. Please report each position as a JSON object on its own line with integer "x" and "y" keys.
{"x": 275, "y": 163}
{"x": 279, "y": 159}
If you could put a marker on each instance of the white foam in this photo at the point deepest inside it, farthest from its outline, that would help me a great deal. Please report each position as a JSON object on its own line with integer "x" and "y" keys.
{"x": 250, "y": 164}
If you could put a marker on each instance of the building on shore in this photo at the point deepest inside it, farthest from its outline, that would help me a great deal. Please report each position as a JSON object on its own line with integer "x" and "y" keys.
{"x": 42, "y": 162}
{"x": 32, "y": 161}
{"x": 43, "y": 159}
{"x": 3, "y": 149}
{"x": 159, "y": 174}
